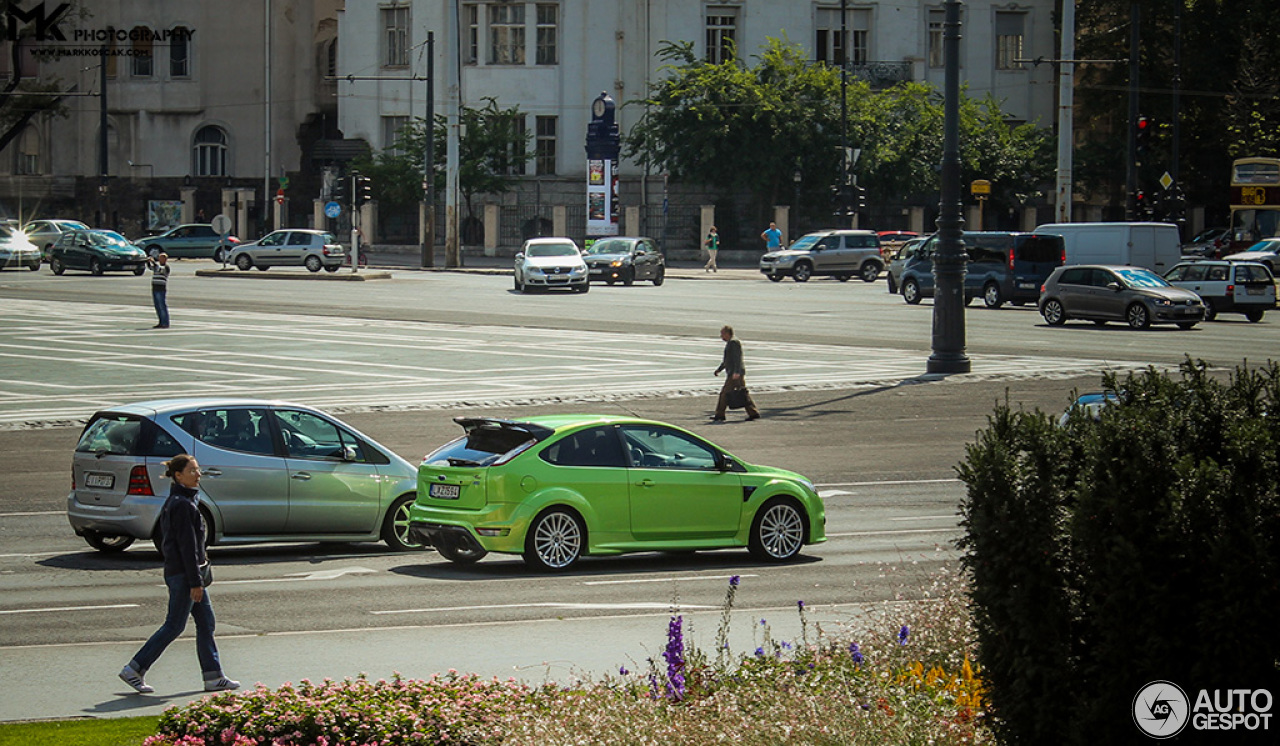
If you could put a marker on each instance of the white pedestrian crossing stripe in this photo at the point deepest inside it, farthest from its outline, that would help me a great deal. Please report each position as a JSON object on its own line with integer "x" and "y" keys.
{"x": 66, "y": 360}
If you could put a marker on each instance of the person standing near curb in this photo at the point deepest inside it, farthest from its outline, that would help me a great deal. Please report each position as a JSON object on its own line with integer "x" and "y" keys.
{"x": 160, "y": 287}
{"x": 735, "y": 376}
{"x": 772, "y": 237}
{"x": 186, "y": 573}
{"x": 713, "y": 245}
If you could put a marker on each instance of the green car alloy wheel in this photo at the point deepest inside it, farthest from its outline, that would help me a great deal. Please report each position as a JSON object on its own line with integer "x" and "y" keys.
{"x": 557, "y": 488}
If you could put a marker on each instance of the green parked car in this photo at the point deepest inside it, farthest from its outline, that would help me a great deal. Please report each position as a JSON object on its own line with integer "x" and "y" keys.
{"x": 555, "y": 488}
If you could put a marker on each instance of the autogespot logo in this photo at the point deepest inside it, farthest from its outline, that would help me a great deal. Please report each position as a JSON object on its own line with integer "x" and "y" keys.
{"x": 1160, "y": 709}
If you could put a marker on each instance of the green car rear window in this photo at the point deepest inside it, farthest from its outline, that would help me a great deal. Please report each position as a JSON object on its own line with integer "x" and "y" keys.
{"x": 480, "y": 447}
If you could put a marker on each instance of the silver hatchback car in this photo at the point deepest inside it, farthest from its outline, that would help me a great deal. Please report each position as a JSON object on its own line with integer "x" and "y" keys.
{"x": 293, "y": 247}
{"x": 274, "y": 471}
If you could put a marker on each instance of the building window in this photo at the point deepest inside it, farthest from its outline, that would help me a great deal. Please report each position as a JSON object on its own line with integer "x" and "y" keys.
{"x": 391, "y": 132}
{"x": 860, "y": 36}
{"x": 180, "y": 53}
{"x": 395, "y": 37}
{"x": 110, "y": 59}
{"x": 470, "y": 22}
{"x": 722, "y": 26}
{"x": 506, "y": 34}
{"x": 545, "y": 146}
{"x": 28, "y": 152}
{"x": 829, "y": 46}
{"x": 936, "y": 19}
{"x": 1009, "y": 40}
{"x": 210, "y": 154}
{"x": 513, "y": 130}
{"x": 548, "y": 30}
{"x": 141, "y": 55}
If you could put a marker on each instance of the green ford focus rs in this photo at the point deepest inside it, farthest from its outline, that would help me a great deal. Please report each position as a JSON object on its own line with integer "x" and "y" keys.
{"x": 555, "y": 488}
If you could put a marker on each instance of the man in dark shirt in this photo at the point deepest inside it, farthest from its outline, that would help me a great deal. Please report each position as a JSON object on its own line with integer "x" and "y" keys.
{"x": 735, "y": 376}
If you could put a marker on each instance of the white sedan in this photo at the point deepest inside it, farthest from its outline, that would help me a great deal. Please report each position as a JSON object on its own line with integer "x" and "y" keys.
{"x": 550, "y": 263}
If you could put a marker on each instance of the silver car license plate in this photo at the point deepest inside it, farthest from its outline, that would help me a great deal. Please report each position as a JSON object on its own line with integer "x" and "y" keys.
{"x": 445, "y": 491}
{"x": 100, "y": 481}
{"x": 1254, "y": 291}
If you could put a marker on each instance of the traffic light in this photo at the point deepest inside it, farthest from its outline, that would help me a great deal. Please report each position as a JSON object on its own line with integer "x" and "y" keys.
{"x": 1145, "y": 126}
{"x": 1140, "y": 207}
{"x": 364, "y": 189}
{"x": 861, "y": 193}
{"x": 339, "y": 193}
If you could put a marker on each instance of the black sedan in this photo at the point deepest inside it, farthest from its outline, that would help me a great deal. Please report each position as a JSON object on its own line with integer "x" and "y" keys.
{"x": 625, "y": 259}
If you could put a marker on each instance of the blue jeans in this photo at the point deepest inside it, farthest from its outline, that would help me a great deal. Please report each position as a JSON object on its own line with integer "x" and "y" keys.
{"x": 181, "y": 605}
{"x": 162, "y": 306}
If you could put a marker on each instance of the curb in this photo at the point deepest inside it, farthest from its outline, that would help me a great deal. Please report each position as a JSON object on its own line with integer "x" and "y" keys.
{"x": 327, "y": 276}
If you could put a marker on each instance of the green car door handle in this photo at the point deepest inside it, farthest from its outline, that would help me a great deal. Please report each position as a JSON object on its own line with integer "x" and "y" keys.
{"x": 301, "y": 475}
{"x": 645, "y": 483}
{"x": 212, "y": 472}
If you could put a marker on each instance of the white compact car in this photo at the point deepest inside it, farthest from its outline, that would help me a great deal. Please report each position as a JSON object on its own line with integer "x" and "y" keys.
{"x": 550, "y": 263}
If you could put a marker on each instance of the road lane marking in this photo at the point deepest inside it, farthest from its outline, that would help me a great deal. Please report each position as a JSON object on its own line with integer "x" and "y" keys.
{"x": 665, "y": 580}
{"x": 67, "y": 608}
{"x": 925, "y": 517}
{"x": 295, "y": 577}
{"x": 888, "y": 481}
{"x": 948, "y": 529}
{"x": 34, "y": 512}
{"x": 547, "y": 605}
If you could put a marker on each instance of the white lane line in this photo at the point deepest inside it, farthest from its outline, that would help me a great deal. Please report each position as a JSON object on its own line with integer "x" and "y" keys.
{"x": 67, "y": 608}
{"x": 665, "y": 580}
{"x": 925, "y": 517}
{"x": 545, "y": 605}
{"x": 889, "y": 481}
{"x": 33, "y": 512}
{"x": 32, "y": 554}
{"x": 305, "y": 576}
{"x": 950, "y": 529}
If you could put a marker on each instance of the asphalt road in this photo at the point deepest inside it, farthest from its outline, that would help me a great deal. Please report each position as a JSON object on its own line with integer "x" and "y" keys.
{"x": 838, "y": 369}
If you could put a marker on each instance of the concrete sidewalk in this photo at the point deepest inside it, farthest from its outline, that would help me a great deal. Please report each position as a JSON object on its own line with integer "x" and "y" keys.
{"x": 79, "y": 680}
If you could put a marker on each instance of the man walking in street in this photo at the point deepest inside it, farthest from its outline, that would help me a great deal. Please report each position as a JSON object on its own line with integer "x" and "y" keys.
{"x": 772, "y": 237}
{"x": 735, "y": 376}
{"x": 160, "y": 287}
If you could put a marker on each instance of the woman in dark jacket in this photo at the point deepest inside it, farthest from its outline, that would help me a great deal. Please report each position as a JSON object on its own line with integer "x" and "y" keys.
{"x": 182, "y": 533}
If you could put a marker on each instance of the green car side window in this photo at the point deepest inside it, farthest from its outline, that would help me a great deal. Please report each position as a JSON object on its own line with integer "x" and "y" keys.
{"x": 653, "y": 447}
{"x": 595, "y": 446}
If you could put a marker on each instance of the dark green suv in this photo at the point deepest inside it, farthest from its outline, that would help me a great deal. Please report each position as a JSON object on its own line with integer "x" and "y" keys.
{"x": 97, "y": 251}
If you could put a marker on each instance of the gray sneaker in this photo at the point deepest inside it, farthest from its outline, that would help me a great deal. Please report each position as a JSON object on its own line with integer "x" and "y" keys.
{"x": 222, "y": 684}
{"x": 134, "y": 679}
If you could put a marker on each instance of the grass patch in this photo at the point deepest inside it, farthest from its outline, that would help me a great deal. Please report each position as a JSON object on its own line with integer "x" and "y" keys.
{"x": 97, "y": 732}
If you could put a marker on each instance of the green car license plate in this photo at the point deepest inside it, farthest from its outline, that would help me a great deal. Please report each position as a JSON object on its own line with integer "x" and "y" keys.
{"x": 445, "y": 491}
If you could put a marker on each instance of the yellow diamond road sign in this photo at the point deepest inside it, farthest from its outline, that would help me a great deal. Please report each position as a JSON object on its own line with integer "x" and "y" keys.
{"x": 1166, "y": 181}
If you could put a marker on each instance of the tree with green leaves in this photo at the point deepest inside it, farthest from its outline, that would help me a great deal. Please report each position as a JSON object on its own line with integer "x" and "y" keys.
{"x": 492, "y": 148}
{"x": 731, "y": 126}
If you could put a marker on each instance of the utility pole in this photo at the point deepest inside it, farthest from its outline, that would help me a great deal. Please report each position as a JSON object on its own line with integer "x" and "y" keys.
{"x": 452, "y": 254}
{"x": 1066, "y": 104}
{"x": 427, "y": 221}
{"x": 1131, "y": 163}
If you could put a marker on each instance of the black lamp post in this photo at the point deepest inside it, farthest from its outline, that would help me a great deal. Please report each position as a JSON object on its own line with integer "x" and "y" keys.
{"x": 949, "y": 261}
{"x": 796, "y": 177}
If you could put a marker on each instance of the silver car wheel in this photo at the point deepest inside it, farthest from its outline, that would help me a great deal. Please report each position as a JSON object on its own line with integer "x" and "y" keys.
{"x": 1137, "y": 316}
{"x": 778, "y": 533}
{"x": 395, "y": 527}
{"x": 313, "y": 263}
{"x": 555, "y": 541}
{"x": 1053, "y": 313}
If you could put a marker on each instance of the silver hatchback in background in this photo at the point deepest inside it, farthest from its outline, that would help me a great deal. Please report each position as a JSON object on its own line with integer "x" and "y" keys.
{"x": 273, "y": 472}
{"x": 294, "y": 247}
{"x": 1102, "y": 293}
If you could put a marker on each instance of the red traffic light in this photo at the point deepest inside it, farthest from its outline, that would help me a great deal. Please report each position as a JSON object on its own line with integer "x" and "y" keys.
{"x": 1143, "y": 123}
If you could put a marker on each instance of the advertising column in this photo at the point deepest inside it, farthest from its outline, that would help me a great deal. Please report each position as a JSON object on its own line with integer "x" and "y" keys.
{"x": 603, "y": 145}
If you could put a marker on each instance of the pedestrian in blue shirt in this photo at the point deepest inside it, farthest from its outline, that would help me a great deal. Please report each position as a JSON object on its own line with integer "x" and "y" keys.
{"x": 772, "y": 238}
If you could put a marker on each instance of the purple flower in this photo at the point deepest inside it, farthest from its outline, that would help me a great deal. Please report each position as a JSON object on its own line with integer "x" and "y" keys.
{"x": 623, "y": 671}
{"x": 734, "y": 580}
{"x": 855, "y": 652}
{"x": 800, "y": 605}
{"x": 759, "y": 652}
{"x": 674, "y": 655}
{"x": 902, "y": 635}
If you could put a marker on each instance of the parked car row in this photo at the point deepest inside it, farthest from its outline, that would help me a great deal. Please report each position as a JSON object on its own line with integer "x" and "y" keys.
{"x": 550, "y": 489}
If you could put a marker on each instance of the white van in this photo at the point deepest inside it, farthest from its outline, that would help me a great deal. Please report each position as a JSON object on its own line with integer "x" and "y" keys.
{"x": 1155, "y": 246}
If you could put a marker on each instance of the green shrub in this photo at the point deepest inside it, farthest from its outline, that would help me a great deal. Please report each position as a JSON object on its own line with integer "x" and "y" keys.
{"x": 1142, "y": 544}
